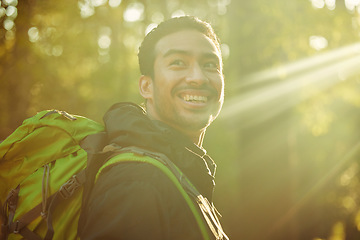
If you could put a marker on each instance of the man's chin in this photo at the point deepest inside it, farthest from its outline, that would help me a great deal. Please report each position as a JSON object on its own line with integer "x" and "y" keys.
{"x": 195, "y": 126}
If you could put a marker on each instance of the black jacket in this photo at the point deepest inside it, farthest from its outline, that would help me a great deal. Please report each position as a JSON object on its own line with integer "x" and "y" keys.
{"x": 136, "y": 200}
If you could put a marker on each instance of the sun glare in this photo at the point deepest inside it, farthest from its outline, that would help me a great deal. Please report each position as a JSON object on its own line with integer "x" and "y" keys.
{"x": 294, "y": 84}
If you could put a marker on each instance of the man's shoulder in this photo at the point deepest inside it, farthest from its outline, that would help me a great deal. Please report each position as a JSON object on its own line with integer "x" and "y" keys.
{"x": 133, "y": 169}
{"x": 138, "y": 193}
{"x": 136, "y": 183}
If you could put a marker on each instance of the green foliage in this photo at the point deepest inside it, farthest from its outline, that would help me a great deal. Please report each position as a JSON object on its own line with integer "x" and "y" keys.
{"x": 80, "y": 56}
{"x": 287, "y": 141}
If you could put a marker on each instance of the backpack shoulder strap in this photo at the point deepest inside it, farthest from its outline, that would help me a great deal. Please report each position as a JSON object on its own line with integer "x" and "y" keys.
{"x": 181, "y": 182}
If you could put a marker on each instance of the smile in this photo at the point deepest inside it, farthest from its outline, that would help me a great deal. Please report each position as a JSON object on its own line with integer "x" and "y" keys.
{"x": 195, "y": 98}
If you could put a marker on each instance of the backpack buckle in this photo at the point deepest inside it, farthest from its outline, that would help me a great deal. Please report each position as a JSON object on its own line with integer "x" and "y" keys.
{"x": 16, "y": 229}
{"x": 68, "y": 188}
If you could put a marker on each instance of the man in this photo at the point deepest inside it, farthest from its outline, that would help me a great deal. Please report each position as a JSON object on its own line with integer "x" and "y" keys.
{"x": 183, "y": 87}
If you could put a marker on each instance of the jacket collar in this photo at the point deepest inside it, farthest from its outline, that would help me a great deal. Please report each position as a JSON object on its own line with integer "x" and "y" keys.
{"x": 127, "y": 124}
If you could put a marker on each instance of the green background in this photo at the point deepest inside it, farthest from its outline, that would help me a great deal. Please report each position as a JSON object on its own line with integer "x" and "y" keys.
{"x": 287, "y": 142}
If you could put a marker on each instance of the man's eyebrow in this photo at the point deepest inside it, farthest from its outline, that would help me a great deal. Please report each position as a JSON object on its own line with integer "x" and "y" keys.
{"x": 188, "y": 53}
{"x": 211, "y": 55}
{"x": 176, "y": 51}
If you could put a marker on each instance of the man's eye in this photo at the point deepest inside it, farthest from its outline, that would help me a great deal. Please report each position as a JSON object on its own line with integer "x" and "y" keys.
{"x": 178, "y": 62}
{"x": 211, "y": 65}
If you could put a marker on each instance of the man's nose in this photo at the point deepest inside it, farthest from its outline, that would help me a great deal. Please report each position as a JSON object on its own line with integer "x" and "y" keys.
{"x": 196, "y": 75}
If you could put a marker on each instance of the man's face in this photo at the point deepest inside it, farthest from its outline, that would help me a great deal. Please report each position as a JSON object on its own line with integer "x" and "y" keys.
{"x": 188, "y": 84}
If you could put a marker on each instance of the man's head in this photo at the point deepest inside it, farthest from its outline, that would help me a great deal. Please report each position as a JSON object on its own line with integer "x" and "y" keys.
{"x": 147, "y": 52}
{"x": 182, "y": 79}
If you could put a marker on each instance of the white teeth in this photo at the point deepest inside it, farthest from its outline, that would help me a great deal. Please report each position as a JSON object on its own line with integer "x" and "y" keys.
{"x": 195, "y": 98}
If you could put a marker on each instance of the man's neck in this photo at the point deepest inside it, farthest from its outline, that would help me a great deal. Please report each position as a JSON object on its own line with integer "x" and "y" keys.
{"x": 196, "y": 137}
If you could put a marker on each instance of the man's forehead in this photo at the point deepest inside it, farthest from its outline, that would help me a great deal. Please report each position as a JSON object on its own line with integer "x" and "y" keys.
{"x": 187, "y": 42}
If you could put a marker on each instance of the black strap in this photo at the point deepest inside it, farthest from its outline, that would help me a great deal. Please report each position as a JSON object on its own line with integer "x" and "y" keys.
{"x": 4, "y": 232}
{"x": 27, "y": 218}
{"x": 30, "y": 235}
{"x": 65, "y": 192}
{"x": 4, "y": 227}
{"x": 11, "y": 203}
{"x": 9, "y": 208}
{"x": 50, "y": 229}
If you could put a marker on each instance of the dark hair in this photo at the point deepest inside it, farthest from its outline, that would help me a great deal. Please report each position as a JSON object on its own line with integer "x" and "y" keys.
{"x": 146, "y": 53}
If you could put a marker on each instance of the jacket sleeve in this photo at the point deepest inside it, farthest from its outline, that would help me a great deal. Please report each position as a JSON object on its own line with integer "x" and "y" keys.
{"x": 137, "y": 201}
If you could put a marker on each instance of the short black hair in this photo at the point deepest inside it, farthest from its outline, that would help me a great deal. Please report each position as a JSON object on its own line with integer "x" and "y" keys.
{"x": 146, "y": 53}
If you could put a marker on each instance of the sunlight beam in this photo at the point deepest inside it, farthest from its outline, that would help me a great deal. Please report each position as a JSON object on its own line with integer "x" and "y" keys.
{"x": 299, "y": 66}
{"x": 287, "y": 93}
{"x": 340, "y": 166}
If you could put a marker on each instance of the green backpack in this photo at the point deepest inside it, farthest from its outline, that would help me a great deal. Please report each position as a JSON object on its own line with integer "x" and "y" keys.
{"x": 42, "y": 171}
{"x": 41, "y": 164}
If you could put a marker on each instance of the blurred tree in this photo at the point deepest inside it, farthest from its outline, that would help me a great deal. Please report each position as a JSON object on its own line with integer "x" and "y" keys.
{"x": 293, "y": 120}
{"x": 288, "y": 152}
{"x": 78, "y": 56}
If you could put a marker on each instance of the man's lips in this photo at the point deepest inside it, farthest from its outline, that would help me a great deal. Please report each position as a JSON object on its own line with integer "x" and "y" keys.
{"x": 196, "y": 95}
{"x": 195, "y": 98}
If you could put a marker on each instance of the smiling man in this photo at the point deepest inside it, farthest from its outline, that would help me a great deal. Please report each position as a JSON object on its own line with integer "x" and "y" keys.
{"x": 186, "y": 89}
{"x": 157, "y": 182}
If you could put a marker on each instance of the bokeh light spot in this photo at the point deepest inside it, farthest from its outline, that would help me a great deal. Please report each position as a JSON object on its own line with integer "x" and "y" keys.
{"x": 318, "y": 3}
{"x": 10, "y": 2}
{"x": 2, "y": 12}
{"x": 351, "y": 4}
{"x": 150, "y": 27}
{"x": 97, "y": 3}
{"x": 134, "y": 12}
{"x": 104, "y": 41}
{"x": 178, "y": 13}
{"x": 33, "y": 33}
{"x": 57, "y": 51}
{"x": 330, "y": 4}
{"x": 86, "y": 9}
{"x": 157, "y": 17}
{"x": 8, "y": 24}
{"x": 225, "y": 50}
{"x": 114, "y": 3}
{"x": 318, "y": 42}
{"x": 11, "y": 11}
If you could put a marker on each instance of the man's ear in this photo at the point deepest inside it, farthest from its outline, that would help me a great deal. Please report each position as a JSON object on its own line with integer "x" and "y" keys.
{"x": 146, "y": 87}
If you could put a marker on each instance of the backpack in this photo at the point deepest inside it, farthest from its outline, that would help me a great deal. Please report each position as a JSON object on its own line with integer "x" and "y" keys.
{"x": 42, "y": 173}
{"x": 41, "y": 167}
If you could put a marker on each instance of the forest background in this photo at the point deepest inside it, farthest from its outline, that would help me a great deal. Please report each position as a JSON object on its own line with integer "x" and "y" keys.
{"x": 287, "y": 142}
